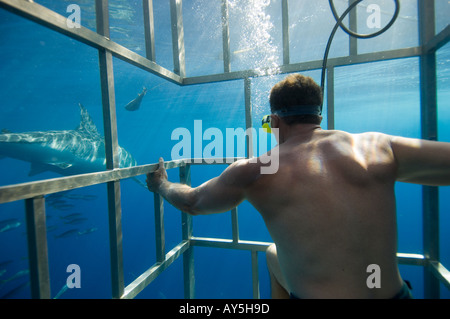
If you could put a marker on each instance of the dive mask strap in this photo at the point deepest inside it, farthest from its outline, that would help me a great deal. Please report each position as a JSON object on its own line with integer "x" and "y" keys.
{"x": 299, "y": 110}
{"x": 292, "y": 111}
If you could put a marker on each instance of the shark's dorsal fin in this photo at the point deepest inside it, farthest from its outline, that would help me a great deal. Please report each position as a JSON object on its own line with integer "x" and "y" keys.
{"x": 87, "y": 126}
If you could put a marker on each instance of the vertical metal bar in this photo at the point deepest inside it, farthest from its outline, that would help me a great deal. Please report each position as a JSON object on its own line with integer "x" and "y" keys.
{"x": 115, "y": 238}
{"x": 430, "y": 195}
{"x": 185, "y": 178}
{"x": 107, "y": 86}
{"x": 330, "y": 98}
{"x": 176, "y": 15}
{"x": 149, "y": 27}
{"x": 187, "y": 230}
{"x": 109, "y": 109}
{"x": 248, "y": 115}
{"x": 285, "y": 22}
{"x": 235, "y": 224}
{"x": 37, "y": 248}
{"x": 255, "y": 275}
{"x": 159, "y": 228}
{"x": 102, "y": 17}
{"x": 353, "y": 25}
{"x": 226, "y": 37}
{"x": 112, "y": 154}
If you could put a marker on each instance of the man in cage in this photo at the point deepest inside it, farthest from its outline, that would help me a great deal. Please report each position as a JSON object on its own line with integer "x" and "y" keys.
{"x": 330, "y": 207}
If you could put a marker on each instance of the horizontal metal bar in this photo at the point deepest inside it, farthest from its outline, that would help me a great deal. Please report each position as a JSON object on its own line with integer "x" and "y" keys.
{"x": 230, "y": 244}
{"x": 406, "y": 259}
{"x": 308, "y": 66}
{"x": 148, "y": 276}
{"x": 212, "y": 161}
{"x": 32, "y": 189}
{"x": 441, "y": 273}
{"x": 411, "y": 259}
{"x": 50, "y": 186}
{"x": 57, "y": 22}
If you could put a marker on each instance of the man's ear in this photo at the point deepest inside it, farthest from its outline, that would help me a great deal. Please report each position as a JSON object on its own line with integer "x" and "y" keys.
{"x": 275, "y": 121}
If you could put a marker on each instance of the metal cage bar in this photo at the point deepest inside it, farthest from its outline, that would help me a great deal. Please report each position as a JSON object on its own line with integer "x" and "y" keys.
{"x": 176, "y": 15}
{"x": 330, "y": 98}
{"x": 235, "y": 225}
{"x": 159, "y": 228}
{"x": 440, "y": 272}
{"x": 37, "y": 248}
{"x": 428, "y": 93}
{"x": 353, "y": 25}
{"x": 248, "y": 116}
{"x": 112, "y": 151}
{"x": 187, "y": 231}
{"x": 133, "y": 289}
{"x": 285, "y": 27}
{"x": 149, "y": 29}
{"x": 226, "y": 37}
{"x": 255, "y": 275}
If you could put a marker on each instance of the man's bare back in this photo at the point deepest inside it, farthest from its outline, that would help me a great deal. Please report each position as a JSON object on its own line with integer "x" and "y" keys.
{"x": 330, "y": 209}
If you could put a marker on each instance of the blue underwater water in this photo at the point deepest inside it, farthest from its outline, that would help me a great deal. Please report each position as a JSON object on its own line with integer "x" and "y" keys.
{"x": 45, "y": 75}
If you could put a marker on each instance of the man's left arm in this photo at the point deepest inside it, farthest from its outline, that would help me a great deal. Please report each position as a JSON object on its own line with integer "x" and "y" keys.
{"x": 217, "y": 195}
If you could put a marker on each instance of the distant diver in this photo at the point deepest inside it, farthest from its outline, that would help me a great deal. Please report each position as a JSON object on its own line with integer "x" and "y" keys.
{"x": 136, "y": 103}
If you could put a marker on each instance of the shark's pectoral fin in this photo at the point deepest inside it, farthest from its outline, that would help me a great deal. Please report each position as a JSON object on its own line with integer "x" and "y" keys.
{"x": 37, "y": 169}
{"x": 41, "y": 168}
{"x": 62, "y": 165}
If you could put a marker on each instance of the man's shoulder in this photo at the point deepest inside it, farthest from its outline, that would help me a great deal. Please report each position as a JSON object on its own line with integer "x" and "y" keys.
{"x": 365, "y": 137}
{"x": 243, "y": 171}
{"x": 362, "y": 134}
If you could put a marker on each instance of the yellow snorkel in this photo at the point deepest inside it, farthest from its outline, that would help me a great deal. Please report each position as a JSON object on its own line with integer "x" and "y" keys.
{"x": 266, "y": 124}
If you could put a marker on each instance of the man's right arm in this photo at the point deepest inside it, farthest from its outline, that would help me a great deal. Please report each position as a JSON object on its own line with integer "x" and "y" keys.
{"x": 421, "y": 161}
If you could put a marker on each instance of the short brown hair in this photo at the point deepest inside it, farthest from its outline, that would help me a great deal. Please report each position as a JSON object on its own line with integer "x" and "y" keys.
{"x": 296, "y": 90}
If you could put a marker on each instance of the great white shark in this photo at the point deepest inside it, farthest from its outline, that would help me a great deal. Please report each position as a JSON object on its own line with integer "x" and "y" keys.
{"x": 67, "y": 153}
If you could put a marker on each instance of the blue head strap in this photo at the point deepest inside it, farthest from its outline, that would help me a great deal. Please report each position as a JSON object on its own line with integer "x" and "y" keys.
{"x": 299, "y": 110}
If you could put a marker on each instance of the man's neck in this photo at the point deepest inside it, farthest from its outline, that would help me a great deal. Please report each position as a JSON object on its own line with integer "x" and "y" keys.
{"x": 298, "y": 132}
